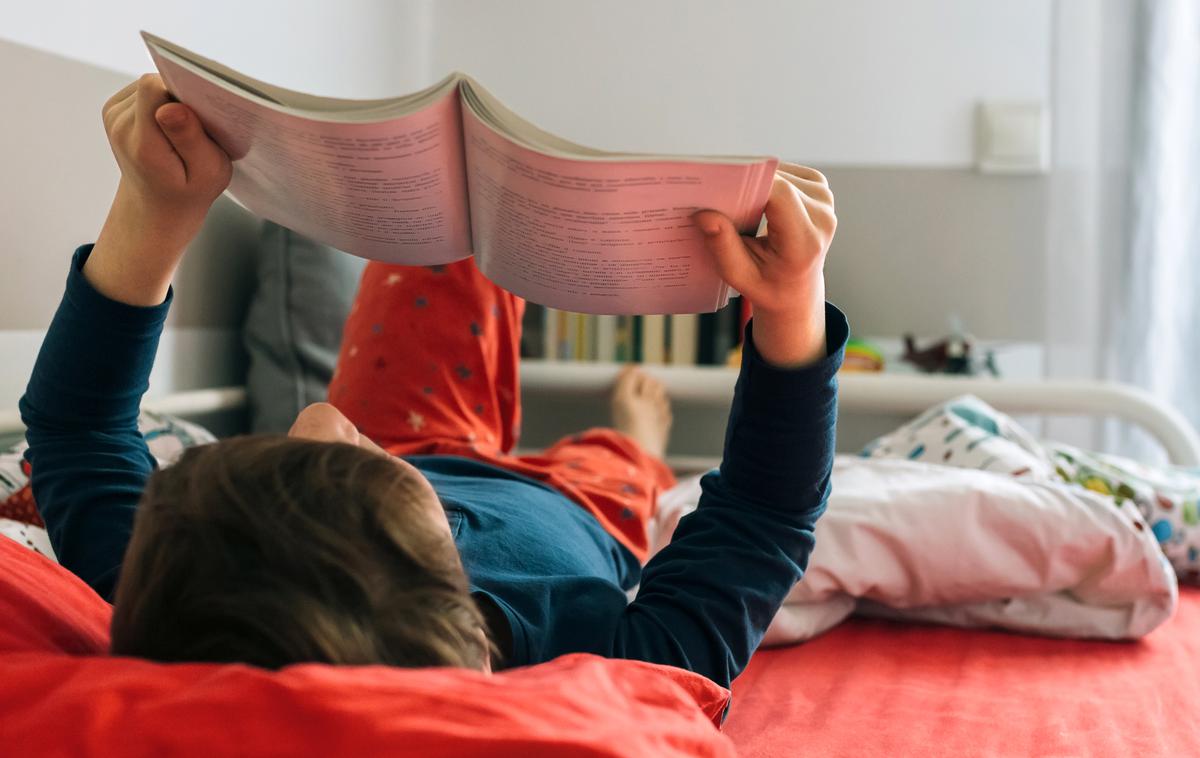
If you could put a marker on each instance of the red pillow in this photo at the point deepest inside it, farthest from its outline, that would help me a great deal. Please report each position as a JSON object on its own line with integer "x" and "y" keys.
{"x": 60, "y": 695}
{"x": 46, "y": 608}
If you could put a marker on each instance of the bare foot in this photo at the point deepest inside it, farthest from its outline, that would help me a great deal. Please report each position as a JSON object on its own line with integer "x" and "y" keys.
{"x": 641, "y": 409}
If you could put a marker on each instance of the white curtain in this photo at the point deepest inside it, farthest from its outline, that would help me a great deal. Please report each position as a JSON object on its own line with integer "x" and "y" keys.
{"x": 1154, "y": 315}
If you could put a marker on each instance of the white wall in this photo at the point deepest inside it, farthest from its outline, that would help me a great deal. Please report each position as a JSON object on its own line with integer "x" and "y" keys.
{"x": 57, "y": 175}
{"x": 1088, "y": 193}
{"x": 347, "y": 48}
{"x": 846, "y": 82}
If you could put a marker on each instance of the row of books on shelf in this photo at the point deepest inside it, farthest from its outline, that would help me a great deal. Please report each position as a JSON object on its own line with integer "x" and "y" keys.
{"x": 705, "y": 339}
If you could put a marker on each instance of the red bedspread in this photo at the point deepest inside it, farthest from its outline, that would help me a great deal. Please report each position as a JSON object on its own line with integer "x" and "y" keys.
{"x": 878, "y": 688}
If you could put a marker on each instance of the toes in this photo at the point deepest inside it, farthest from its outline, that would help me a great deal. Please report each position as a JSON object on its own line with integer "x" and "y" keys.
{"x": 626, "y": 381}
{"x": 634, "y": 383}
{"x": 654, "y": 389}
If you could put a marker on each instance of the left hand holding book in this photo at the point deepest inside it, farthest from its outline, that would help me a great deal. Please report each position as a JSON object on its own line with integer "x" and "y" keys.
{"x": 171, "y": 172}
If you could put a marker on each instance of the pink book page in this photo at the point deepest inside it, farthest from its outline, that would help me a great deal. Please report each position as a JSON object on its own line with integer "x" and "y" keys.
{"x": 391, "y": 190}
{"x": 602, "y": 236}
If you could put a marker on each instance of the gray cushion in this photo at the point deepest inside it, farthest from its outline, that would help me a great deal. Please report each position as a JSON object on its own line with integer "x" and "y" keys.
{"x": 293, "y": 328}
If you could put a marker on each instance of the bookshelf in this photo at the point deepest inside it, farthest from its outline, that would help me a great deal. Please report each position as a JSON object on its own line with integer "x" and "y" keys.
{"x": 714, "y": 384}
{"x": 681, "y": 339}
{"x": 562, "y": 396}
{"x": 696, "y": 384}
{"x": 703, "y": 340}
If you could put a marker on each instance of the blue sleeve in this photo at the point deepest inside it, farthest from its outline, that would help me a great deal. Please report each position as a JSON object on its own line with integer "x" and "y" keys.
{"x": 89, "y": 462}
{"x": 706, "y": 599}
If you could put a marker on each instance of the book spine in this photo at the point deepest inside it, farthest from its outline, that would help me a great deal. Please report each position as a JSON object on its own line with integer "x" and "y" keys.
{"x": 706, "y": 340}
{"x": 626, "y": 343}
{"x": 589, "y": 337}
{"x": 635, "y": 340}
{"x": 564, "y": 335}
{"x": 667, "y": 339}
{"x": 550, "y": 334}
{"x": 606, "y": 338}
{"x": 653, "y": 338}
{"x": 724, "y": 334}
{"x": 579, "y": 340}
{"x": 683, "y": 339}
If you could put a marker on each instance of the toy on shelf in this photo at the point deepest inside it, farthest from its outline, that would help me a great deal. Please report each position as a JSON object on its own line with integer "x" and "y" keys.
{"x": 955, "y": 354}
{"x": 863, "y": 356}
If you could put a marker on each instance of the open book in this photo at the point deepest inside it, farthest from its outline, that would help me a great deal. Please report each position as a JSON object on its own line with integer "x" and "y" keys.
{"x": 438, "y": 175}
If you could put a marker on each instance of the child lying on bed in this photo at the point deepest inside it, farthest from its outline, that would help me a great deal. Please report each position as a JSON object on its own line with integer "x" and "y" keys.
{"x": 392, "y": 525}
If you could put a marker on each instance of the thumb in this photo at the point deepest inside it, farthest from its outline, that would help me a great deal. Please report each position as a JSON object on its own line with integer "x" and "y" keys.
{"x": 728, "y": 249}
{"x": 200, "y": 154}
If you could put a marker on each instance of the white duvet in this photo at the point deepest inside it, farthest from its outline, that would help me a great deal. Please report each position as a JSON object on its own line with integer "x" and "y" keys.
{"x": 919, "y": 541}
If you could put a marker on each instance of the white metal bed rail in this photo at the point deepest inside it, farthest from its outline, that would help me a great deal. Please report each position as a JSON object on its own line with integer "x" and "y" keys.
{"x": 859, "y": 393}
{"x": 908, "y": 394}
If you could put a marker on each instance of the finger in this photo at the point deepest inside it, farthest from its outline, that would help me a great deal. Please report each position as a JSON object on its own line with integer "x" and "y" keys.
{"x": 202, "y": 158}
{"x": 735, "y": 263}
{"x": 814, "y": 189}
{"x": 803, "y": 172}
{"x": 113, "y": 108}
{"x": 122, "y": 94}
{"x": 821, "y": 214}
{"x": 151, "y": 94}
{"x": 113, "y": 114}
{"x": 155, "y": 147}
{"x": 122, "y": 128}
{"x": 787, "y": 217}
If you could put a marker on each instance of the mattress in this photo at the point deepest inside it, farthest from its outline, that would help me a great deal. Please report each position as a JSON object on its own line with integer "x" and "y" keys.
{"x": 873, "y": 687}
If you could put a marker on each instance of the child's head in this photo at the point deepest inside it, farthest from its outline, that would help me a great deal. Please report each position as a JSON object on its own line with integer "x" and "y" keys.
{"x": 278, "y": 550}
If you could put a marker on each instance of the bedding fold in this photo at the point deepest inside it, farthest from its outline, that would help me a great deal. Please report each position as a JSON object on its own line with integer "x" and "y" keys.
{"x": 908, "y": 540}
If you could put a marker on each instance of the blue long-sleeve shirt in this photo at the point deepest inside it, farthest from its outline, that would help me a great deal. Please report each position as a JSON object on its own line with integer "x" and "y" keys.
{"x": 560, "y": 580}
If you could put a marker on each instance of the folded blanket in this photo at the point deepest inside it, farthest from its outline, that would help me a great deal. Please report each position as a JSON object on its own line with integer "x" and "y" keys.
{"x": 999, "y": 540}
{"x": 968, "y": 433}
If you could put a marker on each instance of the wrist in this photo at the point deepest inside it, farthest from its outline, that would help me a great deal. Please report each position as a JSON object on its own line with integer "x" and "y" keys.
{"x": 792, "y": 336}
{"x": 139, "y": 249}
{"x": 163, "y": 225}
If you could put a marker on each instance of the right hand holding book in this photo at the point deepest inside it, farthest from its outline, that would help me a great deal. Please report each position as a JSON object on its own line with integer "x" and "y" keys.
{"x": 782, "y": 273}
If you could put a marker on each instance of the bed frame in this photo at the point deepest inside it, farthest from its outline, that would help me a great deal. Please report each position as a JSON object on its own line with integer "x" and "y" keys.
{"x": 859, "y": 393}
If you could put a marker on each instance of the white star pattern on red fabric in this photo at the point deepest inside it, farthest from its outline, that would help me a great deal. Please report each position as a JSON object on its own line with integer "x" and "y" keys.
{"x": 416, "y": 420}
{"x": 393, "y": 279}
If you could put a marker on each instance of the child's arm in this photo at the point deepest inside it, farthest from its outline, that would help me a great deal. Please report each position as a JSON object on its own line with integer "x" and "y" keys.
{"x": 89, "y": 463}
{"x": 707, "y": 598}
